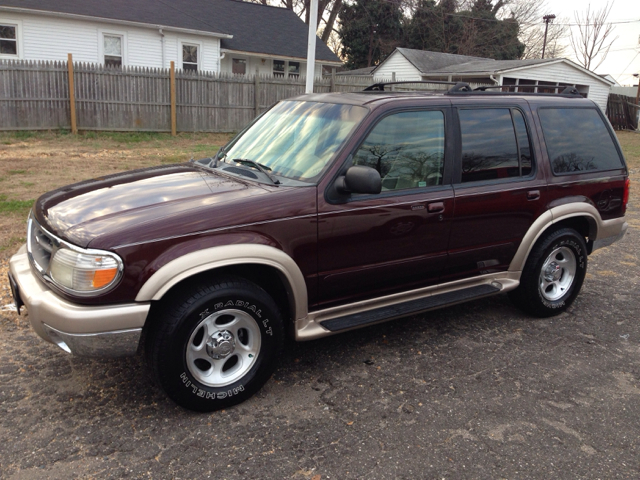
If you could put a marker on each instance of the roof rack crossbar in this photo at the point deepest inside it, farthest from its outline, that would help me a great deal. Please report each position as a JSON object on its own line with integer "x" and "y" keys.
{"x": 379, "y": 87}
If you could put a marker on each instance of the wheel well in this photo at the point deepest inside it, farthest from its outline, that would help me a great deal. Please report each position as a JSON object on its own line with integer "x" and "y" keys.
{"x": 266, "y": 277}
{"x": 585, "y": 226}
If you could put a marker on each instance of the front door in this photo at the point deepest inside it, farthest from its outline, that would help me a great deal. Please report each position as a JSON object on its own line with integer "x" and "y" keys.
{"x": 371, "y": 245}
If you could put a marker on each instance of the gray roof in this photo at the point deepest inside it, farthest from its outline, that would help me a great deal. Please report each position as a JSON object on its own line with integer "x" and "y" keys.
{"x": 438, "y": 63}
{"x": 255, "y": 28}
{"x": 427, "y": 61}
{"x": 488, "y": 65}
{"x": 366, "y": 71}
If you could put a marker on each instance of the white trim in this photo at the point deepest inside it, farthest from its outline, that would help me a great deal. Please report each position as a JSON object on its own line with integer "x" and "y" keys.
{"x": 112, "y": 33}
{"x": 19, "y": 41}
{"x": 189, "y": 43}
{"x": 560, "y": 60}
{"x": 153, "y": 26}
{"x": 277, "y": 57}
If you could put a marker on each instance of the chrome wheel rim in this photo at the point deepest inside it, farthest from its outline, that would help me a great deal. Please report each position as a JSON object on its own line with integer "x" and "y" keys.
{"x": 557, "y": 274}
{"x": 223, "y": 347}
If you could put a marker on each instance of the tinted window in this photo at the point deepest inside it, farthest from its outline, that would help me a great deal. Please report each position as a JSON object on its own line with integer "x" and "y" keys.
{"x": 524, "y": 144}
{"x": 489, "y": 148}
{"x": 578, "y": 140}
{"x": 407, "y": 149}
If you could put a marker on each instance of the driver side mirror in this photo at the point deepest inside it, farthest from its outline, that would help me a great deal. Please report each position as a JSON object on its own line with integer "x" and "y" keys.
{"x": 359, "y": 179}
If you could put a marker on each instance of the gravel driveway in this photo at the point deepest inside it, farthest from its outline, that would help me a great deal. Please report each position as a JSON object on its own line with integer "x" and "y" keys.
{"x": 478, "y": 390}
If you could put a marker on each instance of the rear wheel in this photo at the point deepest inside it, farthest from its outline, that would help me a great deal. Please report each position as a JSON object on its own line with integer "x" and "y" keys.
{"x": 553, "y": 274}
{"x": 215, "y": 345}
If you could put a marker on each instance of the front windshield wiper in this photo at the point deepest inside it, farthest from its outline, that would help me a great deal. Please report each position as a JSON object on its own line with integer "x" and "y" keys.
{"x": 262, "y": 168}
{"x": 221, "y": 155}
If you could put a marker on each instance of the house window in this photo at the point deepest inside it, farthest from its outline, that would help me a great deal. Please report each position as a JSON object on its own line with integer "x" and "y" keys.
{"x": 190, "y": 57}
{"x": 113, "y": 50}
{"x": 278, "y": 68}
{"x": 294, "y": 69}
{"x": 8, "y": 40}
{"x": 239, "y": 66}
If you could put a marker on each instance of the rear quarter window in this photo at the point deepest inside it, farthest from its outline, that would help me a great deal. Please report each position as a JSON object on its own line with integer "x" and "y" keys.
{"x": 578, "y": 140}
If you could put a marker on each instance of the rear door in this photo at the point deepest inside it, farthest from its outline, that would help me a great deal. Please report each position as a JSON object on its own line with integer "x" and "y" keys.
{"x": 499, "y": 188}
{"x": 370, "y": 245}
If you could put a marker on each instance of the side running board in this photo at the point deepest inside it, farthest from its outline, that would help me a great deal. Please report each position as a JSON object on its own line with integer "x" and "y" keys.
{"x": 408, "y": 308}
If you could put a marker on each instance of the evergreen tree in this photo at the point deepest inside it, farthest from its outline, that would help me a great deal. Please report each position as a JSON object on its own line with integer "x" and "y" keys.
{"x": 476, "y": 32}
{"x": 370, "y": 30}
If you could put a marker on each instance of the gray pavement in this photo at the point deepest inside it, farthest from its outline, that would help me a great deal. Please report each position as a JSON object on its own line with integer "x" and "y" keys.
{"x": 479, "y": 390}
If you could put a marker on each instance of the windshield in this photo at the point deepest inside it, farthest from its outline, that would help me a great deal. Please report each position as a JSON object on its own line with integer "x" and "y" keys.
{"x": 296, "y": 140}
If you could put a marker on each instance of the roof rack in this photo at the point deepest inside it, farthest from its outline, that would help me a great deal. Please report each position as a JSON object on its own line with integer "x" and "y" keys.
{"x": 379, "y": 87}
{"x": 566, "y": 90}
{"x": 465, "y": 89}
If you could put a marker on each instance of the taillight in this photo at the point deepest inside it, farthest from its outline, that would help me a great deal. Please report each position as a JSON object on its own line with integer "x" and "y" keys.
{"x": 625, "y": 195}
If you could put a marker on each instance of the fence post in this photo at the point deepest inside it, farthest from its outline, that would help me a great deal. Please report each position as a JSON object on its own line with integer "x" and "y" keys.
{"x": 172, "y": 81}
{"x": 332, "y": 88}
{"x": 256, "y": 92}
{"x": 72, "y": 94}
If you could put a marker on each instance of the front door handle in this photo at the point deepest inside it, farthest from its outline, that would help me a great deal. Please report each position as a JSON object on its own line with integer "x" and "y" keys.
{"x": 533, "y": 194}
{"x": 435, "y": 207}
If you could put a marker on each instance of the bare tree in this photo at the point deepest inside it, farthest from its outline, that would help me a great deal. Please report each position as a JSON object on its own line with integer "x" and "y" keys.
{"x": 328, "y": 11}
{"x": 591, "y": 42}
{"x": 528, "y": 14}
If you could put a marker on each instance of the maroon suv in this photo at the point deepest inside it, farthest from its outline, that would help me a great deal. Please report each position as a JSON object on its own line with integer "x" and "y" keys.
{"x": 328, "y": 213}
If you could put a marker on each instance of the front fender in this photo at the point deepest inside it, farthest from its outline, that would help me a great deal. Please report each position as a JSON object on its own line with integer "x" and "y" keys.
{"x": 212, "y": 258}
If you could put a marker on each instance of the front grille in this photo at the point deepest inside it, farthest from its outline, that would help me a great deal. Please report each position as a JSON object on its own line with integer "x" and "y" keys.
{"x": 41, "y": 246}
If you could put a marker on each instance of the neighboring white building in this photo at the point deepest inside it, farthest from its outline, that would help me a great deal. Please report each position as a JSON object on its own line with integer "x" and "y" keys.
{"x": 217, "y": 36}
{"x": 534, "y": 75}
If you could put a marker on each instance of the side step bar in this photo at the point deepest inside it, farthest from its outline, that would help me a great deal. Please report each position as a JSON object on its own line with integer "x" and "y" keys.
{"x": 408, "y": 308}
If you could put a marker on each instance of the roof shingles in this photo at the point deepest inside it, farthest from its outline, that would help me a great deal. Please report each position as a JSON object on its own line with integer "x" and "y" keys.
{"x": 255, "y": 28}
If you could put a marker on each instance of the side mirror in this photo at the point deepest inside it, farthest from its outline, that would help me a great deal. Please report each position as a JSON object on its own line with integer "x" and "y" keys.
{"x": 360, "y": 179}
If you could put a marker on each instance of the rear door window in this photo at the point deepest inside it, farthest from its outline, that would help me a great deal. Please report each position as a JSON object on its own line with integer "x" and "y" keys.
{"x": 495, "y": 144}
{"x": 578, "y": 141}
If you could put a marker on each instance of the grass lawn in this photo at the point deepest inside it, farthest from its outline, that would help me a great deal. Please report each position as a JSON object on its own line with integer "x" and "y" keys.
{"x": 32, "y": 163}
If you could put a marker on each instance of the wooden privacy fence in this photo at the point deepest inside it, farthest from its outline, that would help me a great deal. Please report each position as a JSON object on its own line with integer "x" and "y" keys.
{"x": 622, "y": 112}
{"x": 37, "y": 96}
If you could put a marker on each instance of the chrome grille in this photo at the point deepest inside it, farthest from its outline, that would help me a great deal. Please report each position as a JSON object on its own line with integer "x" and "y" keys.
{"x": 41, "y": 246}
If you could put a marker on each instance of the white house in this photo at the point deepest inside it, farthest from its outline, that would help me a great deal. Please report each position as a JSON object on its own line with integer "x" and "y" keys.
{"x": 534, "y": 75}
{"x": 215, "y": 35}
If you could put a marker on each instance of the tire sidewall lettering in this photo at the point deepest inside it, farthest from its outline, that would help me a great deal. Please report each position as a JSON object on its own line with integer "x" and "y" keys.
{"x": 226, "y": 392}
{"x": 580, "y": 261}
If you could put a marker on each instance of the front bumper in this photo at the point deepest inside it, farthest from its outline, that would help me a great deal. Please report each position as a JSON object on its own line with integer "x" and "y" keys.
{"x": 90, "y": 331}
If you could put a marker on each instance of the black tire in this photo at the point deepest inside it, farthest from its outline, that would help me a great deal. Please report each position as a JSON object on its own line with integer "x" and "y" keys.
{"x": 214, "y": 323}
{"x": 553, "y": 274}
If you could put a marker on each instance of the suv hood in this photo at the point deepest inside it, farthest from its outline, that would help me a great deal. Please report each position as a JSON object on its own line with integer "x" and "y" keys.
{"x": 137, "y": 201}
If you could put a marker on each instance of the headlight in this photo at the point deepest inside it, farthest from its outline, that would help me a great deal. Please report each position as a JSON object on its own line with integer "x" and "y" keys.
{"x": 84, "y": 272}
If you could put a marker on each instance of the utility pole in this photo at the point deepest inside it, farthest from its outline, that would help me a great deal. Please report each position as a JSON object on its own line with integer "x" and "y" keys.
{"x": 311, "y": 45}
{"x": 547, "y": 19}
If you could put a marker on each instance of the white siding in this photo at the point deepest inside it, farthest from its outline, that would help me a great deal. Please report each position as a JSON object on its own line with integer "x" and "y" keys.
{"x": 565, "y": 73}
{"x": 52, "y": 38}
{"x": 402, "y": 67}
{"x": 263, "y": 65}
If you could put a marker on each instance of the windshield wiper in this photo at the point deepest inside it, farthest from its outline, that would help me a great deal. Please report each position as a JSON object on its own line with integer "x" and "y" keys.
{"x": 262, "y": 168}
{"x": 221, "y": 155}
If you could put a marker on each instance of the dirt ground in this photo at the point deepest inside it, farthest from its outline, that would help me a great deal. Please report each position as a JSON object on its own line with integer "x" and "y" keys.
{"x": 478, "y": 390}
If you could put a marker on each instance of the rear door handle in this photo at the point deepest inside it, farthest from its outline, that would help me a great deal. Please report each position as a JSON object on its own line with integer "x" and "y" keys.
{"x": 533, "y": 194}
{"x": 435, "y": 207}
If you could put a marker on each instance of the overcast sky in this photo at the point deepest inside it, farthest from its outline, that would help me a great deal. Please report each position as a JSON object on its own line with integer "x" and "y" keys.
{"x": 624, "y": 57}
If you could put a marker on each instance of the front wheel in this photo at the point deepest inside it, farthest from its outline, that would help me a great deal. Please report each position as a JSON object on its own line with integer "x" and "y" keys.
{"x": 215, "y": 345}
{"x": 553, "y": 274}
